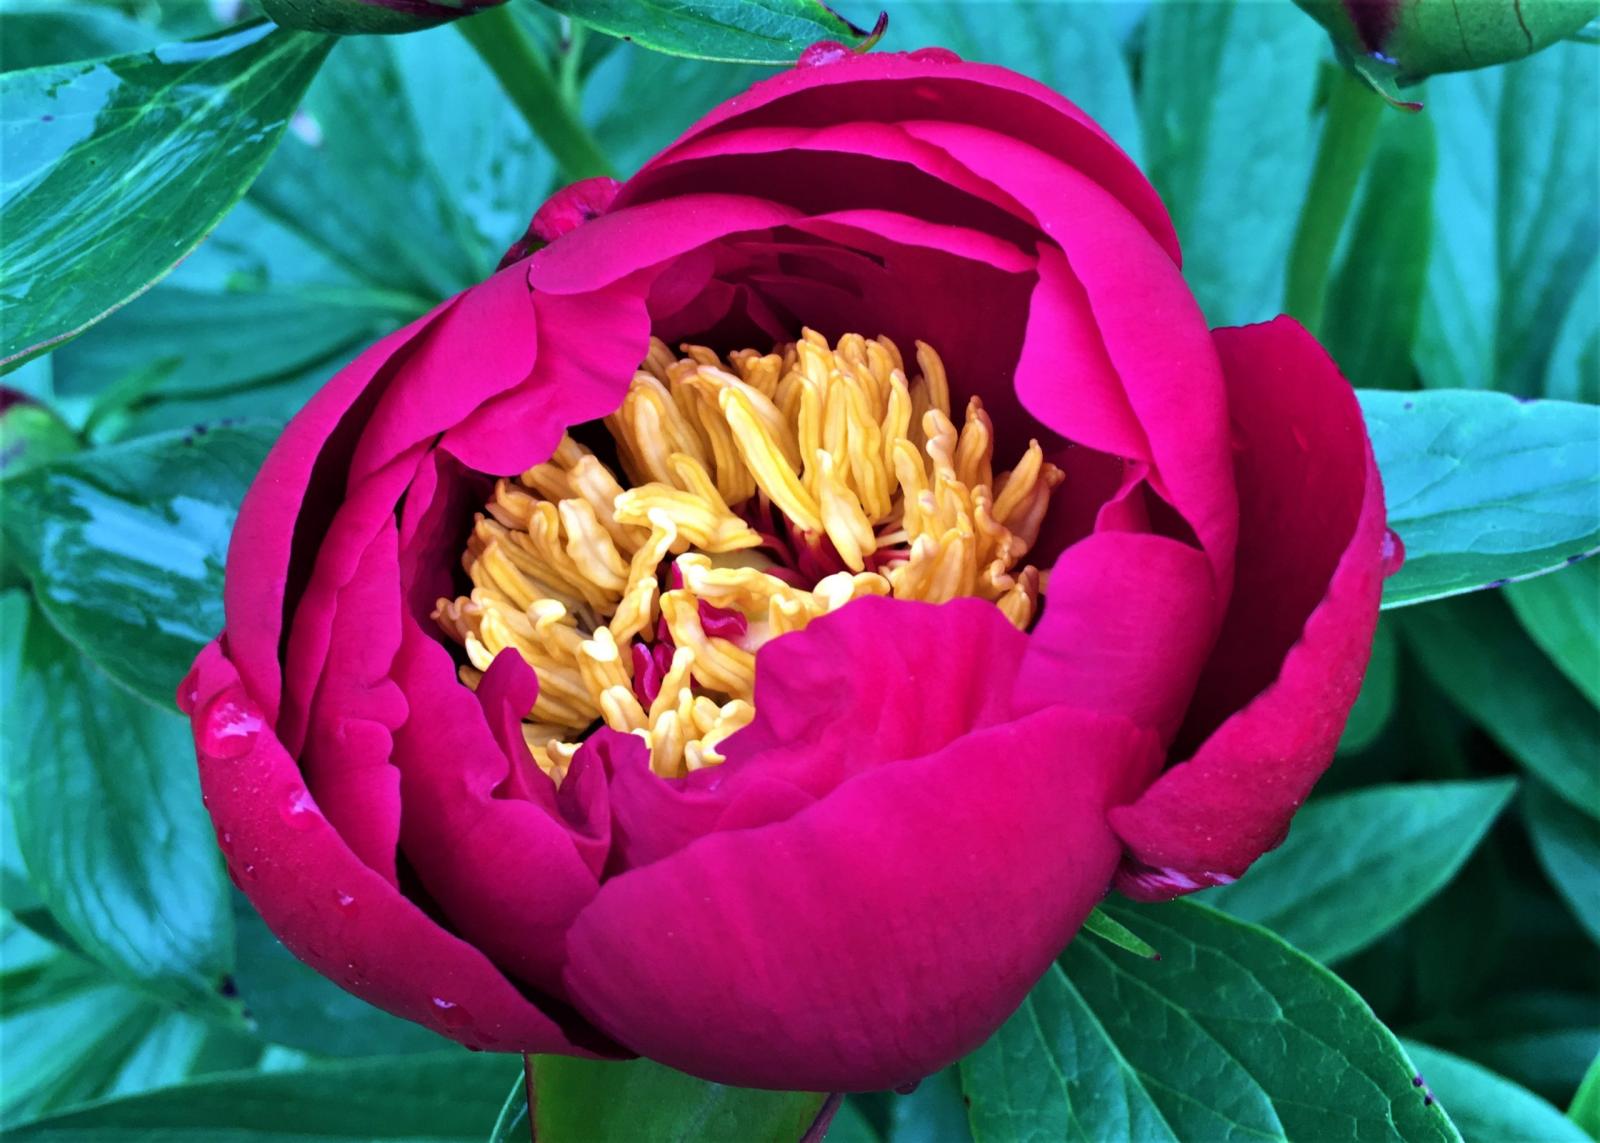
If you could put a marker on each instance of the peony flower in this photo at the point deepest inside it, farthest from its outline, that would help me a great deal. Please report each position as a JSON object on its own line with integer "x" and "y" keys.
{"x": 753, "y": 629}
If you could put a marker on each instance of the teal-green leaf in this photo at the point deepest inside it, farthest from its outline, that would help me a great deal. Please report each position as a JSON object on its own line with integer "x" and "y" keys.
{"x": 1233, "y": 1034}
{"x": 1484, "y": 488}
{"x": 1474, "y": 651}
{"x": 1355, "y": 865}
{"x": 116, "y": 168}
{"x": 736, "y": 31}
{"x": 936, "y": 1112}
{"x": 1567, "y": 844}
{"x": 1562, "y": 614}
{"x": 106, "y": 807}
{"x": 436, "y": 1098}
{"x": 1489, "y": 1108}
{"x": 125, "y": 546}
{"x": 1585, "y": 1109}
{"x": 1225, "y": 100}
{"x": 637, "y": 1101}
{"x": 1376, "y": 701}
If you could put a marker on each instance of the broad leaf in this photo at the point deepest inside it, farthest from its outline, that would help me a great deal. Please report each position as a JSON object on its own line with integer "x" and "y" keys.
{"x": 1585, "y": 1109}
{"x": 1486, "y": 1107}
{"x": 1473, "y": 649}
{"x": 1231, "y": 1034}
{"x": 1562, "y": 614}
{"x": 936, "y": 1112}
{"x": 738, "y": 31}
{"x": 1225, "y": 94}
{"x": 436, "y": 1098}
{"x": 107, "y": 813}
{"x": 1543, "y": 1039}
{"x": 1484, "y": 489}
{"x": 1568, "y": 846}
{"x": 1376, "y": 701}
{"x": 1356, "y": 865}
{"x": 594, "y": 1101}
{"x": 116, "y": 168}
{"x": 125, "y": 546}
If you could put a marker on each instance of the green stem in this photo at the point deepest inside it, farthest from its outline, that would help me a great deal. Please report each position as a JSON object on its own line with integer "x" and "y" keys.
{"x": 526, "y": 77}
{"x": 1347, "y": 135}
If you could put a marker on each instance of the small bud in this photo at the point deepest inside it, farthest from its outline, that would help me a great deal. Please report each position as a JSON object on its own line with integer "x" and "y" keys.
{"x": 1418, "y": 38}
{"x": 365, "y": 17}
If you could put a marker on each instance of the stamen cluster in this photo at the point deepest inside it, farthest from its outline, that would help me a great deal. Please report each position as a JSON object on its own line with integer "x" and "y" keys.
{"x": 764, "y": 491}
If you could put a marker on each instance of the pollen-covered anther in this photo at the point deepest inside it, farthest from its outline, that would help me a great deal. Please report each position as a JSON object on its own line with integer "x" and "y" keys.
{"x": 762, "y": 491}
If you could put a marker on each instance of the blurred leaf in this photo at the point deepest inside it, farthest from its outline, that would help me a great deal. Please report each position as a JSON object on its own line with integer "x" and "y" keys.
{"x": 122, "y": 165}
{"x": 1225, "y": 100}
{"x": 1514, "y": 242}
{"x": 1473, "y": 650}
{"x": 31, "y": 435}
{"x": 1543, "y": 1040}
{"x": 1562, "y": 614}
{"x": 1486, "y": 1107}
{"x": 1356, "y": 865}
{"x": 1232, "y": 1033}
{"x": 125, "y": 546}
{"x": 291, "y": 1004}
{"x": 637, "y": 1101}
{"x": 849, "y": 1125}
{"x": 1072, "y": 47}
{"x": 107, "y": 814}
{"x": 40, "y": 32}
{"x": 1585, "y": 1109}
{"x": 737, "y": 31}
{"x": 1484, "y": 488}
{"x": 1568, "y": 846}
{"x": 936, "y": 1112}
{"x": 1375, "y": 296}
{"x": 434, "y": 1097}
{"x": 1375, "y": 702}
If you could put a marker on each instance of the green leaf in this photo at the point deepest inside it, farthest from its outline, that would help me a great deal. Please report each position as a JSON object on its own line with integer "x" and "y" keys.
{"x": 1474, "y": 652}
{"x": 1542, "y": 1039}
{"x": 291, "y": 1004}
{"x": 1513, "y": 243}
{"x": 1562, "y": 614}
{"x": 1585, "y": 1109}
{"x": 1356, "y": 865}
{"x": 1486, "y": 1107}
{"x": 1376, "y": 701}
{"x": 637, "y": 1101}
{"x": 737, "y": 31}
{"x": 1568, "y": 846}
{"x": 936, "y": 1112}
{"x": 30, "y": 435}
{"x": 1375, "y": 297}
{"x": 1074, "y": 48}
{"x": 125, "y": 546}
{"x": 1114, "y": 932}
{"x": 117, "y": 168}
{"x": 1225, "y": 98}
{"x": 1484, "y": 488}
{"x": 1231, "y": 1034}
{"x": 435, "y": 1098}
{"x": 107, "y": 813}
{"x": 40, "y": 32}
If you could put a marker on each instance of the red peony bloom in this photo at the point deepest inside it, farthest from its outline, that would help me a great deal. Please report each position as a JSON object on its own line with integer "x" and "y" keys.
{"x": 754, "y": 629}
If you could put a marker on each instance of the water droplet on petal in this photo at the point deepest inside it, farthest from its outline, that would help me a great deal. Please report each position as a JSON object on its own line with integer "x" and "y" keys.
{"x": 225, "y": 842}
{"x": 249, "y": 871}
{"x": 908, "y": 1088}
{"x": 299, "y": 809}
{"x": 346, "y": 902}
{"x": 229, "y": 727}
{"x": 1392, "y": 554}
{"x": 826, "y": 52}
{"x": 935, "y": 55}
{"x": 451, "y": 1014}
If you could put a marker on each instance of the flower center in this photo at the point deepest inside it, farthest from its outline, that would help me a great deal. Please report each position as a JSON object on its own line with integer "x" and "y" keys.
{"x": 765, "y": 490}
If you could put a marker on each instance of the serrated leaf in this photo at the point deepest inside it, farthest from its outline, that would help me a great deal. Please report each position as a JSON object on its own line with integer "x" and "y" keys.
{"x": 117, "y": 168}
{"x": 1356, "y": 865}
{"x": 1231, "y": 1034}
{"x": 1562, "y": 614}
{"x": 1483, "y": 488}
{"x": 735, "y": 31}
{"x": 1567, "y": 844}
{"x": 125, "y": 546}
{"x": 1489, "y": 1108}
{"x": 637, "y": 1101}
{"x": 1473, "y": 650}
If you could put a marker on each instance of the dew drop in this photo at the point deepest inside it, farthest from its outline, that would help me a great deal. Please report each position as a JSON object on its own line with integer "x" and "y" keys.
{"x": 451, "y": 1014}
{"x": 299, "y": 809}
{"x": 935, "y": 55}
{"x": 249, "y": 871}
{"x": 346, "y": 903}
{"x": 225, "y": 842}
{"x": 229, "y": 727}
{"x": 1392, "y": 555}
{"x": 908, "y": 1088}
{"x": 826, "y": 52}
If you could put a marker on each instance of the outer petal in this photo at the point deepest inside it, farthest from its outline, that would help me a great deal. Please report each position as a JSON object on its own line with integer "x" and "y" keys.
{"x": 328, "y": 907}
{"x": 1298, "y": 632}
{"x": 853, "y": 945}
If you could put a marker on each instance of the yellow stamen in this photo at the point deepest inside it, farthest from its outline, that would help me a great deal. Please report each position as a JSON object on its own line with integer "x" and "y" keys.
{"x": 851, "y": 462}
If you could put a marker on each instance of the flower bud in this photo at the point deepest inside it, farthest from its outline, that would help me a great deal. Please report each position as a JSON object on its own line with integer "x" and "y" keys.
{"x": 1419, "y": 38}
{"x": 361, "y": 17}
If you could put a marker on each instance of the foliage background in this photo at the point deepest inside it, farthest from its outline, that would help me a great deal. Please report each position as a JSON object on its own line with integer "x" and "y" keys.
{"x": 1448, "y": 868}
